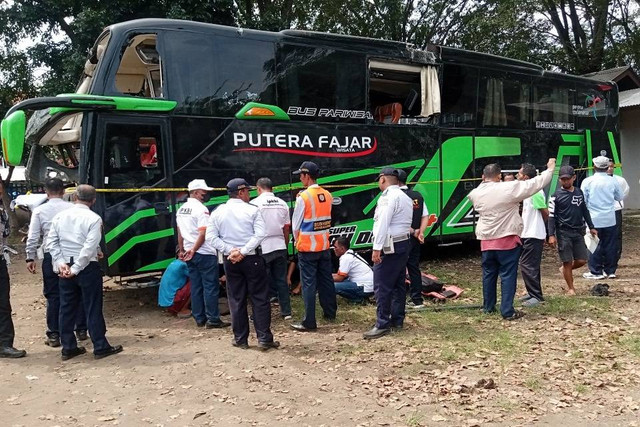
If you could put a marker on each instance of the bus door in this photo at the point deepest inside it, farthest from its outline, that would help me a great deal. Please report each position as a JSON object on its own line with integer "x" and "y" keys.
{"x": 132, "y": 164}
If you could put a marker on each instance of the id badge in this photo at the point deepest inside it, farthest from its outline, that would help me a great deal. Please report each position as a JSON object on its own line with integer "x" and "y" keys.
{"x": 388, "y": 248}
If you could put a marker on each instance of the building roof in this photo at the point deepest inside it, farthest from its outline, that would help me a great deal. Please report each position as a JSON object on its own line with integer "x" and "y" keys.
{"x": 629, "y": 98}
{"x": 624, "y": 76}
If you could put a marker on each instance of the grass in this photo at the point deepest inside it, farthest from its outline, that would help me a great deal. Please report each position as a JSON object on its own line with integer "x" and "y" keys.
{"x": 533, "y": 383}
{"x": 631, "y": 344}
{"x": 415, "y": 419}
{"x": 567, "y": 306}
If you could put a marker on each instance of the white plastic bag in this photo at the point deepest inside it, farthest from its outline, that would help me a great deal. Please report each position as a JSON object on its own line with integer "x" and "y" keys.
{"x": 591, "y": 241}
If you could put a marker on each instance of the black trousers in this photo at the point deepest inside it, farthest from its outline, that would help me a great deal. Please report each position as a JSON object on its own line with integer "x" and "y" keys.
{"x": 413, "y": 266}
{"x": 389, "y": 287}
{"x": 530, "y": 260}
{"x": 7, "y": 332}
{"x": 618, "y": 239}
{"x": 84, "y": 289}
{"x": 51, "y": 291}
{"x": 248, "y": 279}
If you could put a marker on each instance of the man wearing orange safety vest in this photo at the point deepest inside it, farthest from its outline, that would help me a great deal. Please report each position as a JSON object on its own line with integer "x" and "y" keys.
{"x": 311, "y": 223}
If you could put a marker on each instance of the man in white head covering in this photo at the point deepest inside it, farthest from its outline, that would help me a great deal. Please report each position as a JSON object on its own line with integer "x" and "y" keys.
{"x": 600, "y": 194}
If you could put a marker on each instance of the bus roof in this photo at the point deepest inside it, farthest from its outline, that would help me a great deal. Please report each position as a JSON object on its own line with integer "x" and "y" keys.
{"x": 395, "y": 49}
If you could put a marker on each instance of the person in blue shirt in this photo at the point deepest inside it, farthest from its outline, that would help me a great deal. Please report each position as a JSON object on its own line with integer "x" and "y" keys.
{"x": 175, "y": 289}
{"x": 601, "y": 191}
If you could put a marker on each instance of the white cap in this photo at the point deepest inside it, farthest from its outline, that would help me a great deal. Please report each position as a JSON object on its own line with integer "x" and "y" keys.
{"x": 199, "y": 184}
{"x": 601, "y": 162}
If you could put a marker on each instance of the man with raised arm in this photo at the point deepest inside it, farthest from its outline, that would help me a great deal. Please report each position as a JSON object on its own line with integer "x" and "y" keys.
{"x": 498, "y": 229}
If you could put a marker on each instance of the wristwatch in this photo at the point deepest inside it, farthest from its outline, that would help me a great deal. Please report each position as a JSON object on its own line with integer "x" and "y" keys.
{"x": 29, "y": 260}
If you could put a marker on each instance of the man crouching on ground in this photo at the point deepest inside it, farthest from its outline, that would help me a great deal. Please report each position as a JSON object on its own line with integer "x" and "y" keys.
{"x": 498, "y": 230}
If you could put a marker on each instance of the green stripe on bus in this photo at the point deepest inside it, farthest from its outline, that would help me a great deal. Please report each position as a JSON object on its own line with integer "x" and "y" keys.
{"x": 138, "y": 239}
{"x": 160, "y": 265}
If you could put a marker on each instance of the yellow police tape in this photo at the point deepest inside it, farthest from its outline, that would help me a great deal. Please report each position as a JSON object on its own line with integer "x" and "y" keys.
{"x": 280, "y": 187}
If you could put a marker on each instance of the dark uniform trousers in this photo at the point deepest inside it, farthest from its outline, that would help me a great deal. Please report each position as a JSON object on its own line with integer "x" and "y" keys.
{"x": 6, "y": 323}
{"x": 51, "y": 291}
{"x": 315, "y": 274}
{"x": 248, "y": 278}
{"x": 618, "y": 239}
{"x": 84, "y": 289}
{"x": 530, "y": 260}
{"x": 413, "y": 267}
{"x": 389, "y": 287}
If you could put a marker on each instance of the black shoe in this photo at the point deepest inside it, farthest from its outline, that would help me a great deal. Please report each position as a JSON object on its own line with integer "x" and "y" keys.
{"x": 111, "y": 350}
{"x": 12, "y": 353}
{"x": 329, "y": 319}
{"x": 375, "y": 332}
{"x": 241, "y": 345}
{"x": 397, "y": 328}
{"x": 264, "y": 346}
{"x": 53, "y": 340}
{"x": 200, "y": 324}
{"x": 516, "y": 315}
{"x": 82, "y": 335}
{"x": 70, "y": 354}
{"x": 220, "y": 324}
{"x": 273, "y": 300}
{"x": 301, "y": 328}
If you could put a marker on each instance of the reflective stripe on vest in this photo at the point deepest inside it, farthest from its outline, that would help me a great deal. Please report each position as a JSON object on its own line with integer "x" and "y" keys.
{"x": 314, "y": 230}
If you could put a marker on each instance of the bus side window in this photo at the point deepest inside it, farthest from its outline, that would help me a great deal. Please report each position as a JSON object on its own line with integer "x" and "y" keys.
{"x": 139, "y": 70}
{"x": 132, "y": 156}
{"x": 504, "y": 101}
{"x": 459, "y": 94}
{"x": 553, "y": 104}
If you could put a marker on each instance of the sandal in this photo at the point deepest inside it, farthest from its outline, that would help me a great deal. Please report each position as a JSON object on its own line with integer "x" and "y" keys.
{"x": 517, "y": 315}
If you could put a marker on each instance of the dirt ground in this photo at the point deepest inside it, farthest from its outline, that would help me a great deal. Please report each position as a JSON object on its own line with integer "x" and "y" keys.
{"x": 572, "y": 361}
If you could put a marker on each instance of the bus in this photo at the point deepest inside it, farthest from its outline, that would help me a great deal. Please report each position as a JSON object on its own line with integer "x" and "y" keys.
{"x": 162, "y": 102}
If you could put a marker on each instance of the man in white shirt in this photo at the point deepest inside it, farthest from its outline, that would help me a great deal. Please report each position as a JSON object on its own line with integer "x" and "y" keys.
{"x": 236, "y": 229}
{"x": 74, "y": 244}
{"x": 354, "y": 279}
{"x": 201, "y": 258}
{"x": 275, "y": 213}
{"x": 391, "y": 227}
{"x": 39, "y": 228}
{"x": 619, "y": 205}
{"x": 534, "y": 233}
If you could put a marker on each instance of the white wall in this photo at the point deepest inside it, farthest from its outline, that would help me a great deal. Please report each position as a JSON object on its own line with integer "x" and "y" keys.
{"x": 630, "y": 144}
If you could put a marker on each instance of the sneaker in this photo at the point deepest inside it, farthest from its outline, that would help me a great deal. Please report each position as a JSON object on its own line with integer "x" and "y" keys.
{"x": 273, "y": 300}
{"x": 287, "y": 317}
{"x": 590, "y": 275}
{"x": 612, "y": 276}
{"x": 217, "y": 325}
{"x": 414, "y": 305}
{"x": 81, "y": 335}
{"x": 525, "y": 298}
{"x": 53, "y": 340}
{"x": 531, "y": 302}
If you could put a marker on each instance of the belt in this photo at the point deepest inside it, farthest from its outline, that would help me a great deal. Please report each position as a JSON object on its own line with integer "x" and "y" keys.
{"x": 400, "y": 238}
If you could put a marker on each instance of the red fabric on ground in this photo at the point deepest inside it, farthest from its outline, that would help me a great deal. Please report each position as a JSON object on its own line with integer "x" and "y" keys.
{"x": 181, "y": 299}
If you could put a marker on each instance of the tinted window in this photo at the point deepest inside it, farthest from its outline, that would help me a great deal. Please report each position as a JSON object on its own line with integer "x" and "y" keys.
{"x": 214, "y": 75}
{"x": 504, "y": 100}
{"x": 317, "y": 78}
{"x": 593, "y": 108}
{"x": 552, "y": 107}
{"x": 459, "y": 88}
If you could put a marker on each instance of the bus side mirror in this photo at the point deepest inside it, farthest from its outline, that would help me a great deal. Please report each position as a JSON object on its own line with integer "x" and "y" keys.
{"x": 12, "y": 131}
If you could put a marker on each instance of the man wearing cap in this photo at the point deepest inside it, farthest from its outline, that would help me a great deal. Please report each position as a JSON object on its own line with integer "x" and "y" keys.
{"x": 498, "y": 229}
{"x": 419, "y": 223}
{"x": 236, "y": 229}
{"x": 619, "y": 205}
{"x": 600, "y": 194}
{"x": 391, "y": 226}
{"x": 275, "y": 213}
{"x": 567, "y": 216}
{"x": 311, "y": 223}
{"x": 201, "y": 258}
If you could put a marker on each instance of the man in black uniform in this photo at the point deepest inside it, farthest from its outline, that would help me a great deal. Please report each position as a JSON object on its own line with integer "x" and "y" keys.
{"x": 567, "y": 214}
{"x": 418, "y": 226}
{"x": 7, "y": 332}
{"x": 236, "y": 229}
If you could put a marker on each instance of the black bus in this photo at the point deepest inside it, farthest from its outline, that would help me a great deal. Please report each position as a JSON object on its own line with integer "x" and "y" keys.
{"x": 162, "y": 102}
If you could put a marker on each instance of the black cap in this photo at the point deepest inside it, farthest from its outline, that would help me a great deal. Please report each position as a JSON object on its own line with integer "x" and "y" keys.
{"x": 566, "y": 171}
{"x": 389, "y": 172}
{"x": 308, "y": 167}
{"x": 402, "y": 175}
{"x": 237, "y": 184}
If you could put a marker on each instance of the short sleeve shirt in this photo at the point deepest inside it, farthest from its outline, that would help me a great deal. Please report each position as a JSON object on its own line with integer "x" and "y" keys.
{"x": 192, "y": 217}
{"x": 357, "y": 270}
{"x": 532, "y": 218}
{"x": 275, "y": 213}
